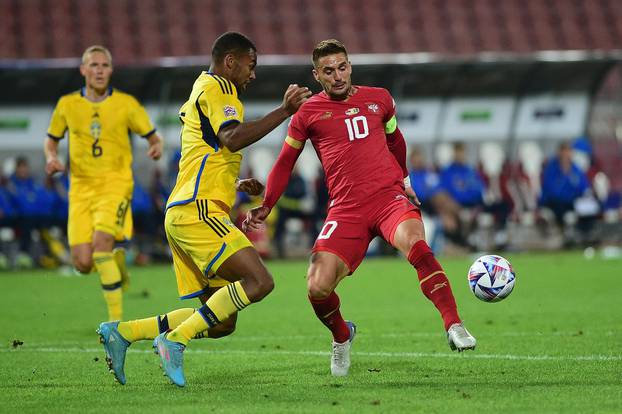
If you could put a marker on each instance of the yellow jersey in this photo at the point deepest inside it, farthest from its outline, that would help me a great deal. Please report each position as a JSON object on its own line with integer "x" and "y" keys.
{"x": 207, "y": 169}
{"x": 99, "y": 141}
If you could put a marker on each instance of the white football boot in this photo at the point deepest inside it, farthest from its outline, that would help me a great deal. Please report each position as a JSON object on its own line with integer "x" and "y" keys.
{"x": 340, "y": 358}
{"x": 459, "y": 338}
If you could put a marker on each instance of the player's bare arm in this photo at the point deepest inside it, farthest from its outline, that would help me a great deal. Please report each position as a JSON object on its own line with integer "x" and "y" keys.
{"x": 250, "y": 186}
{"x": 52, "y": 163}
{"x": 240, "y": 135}
{"x": 156, "y": 145}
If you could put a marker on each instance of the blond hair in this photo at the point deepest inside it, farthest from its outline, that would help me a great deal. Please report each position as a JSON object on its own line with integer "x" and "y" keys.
{"x": 96, "y": 48}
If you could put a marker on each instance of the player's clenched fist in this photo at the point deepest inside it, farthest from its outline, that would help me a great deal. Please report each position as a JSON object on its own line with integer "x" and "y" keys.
{"x": 254, "y": 218}
{"x": 294, "y": 97}
{"x": 53, "y": 165}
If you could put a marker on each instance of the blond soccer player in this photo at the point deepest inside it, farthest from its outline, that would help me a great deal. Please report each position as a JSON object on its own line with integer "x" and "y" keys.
{"x": 98, "y": 119}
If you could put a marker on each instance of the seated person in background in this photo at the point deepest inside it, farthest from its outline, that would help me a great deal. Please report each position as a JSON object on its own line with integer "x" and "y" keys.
{"x": 145, "y": 221}
{"x": 434, "y": 198}
{"x": 31, "y": 203}
{"x": 7, "y": 209}
{"x": 462, "y": 181}
{"x": 290, "y": 206}
{"x": 563, "y": 183}
{"x": 7, "y": 220}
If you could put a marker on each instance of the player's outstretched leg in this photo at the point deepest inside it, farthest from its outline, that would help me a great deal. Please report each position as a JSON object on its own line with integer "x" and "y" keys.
{"x": 435, "y": 286}
{"x": 324, "y": 274}
{"x": 148, "y": 328}
{"x": 254, "y": 284}
{"x": 116, "y": 348}
{"x": 409, "y": 239}
{"x": 118, "y": 336}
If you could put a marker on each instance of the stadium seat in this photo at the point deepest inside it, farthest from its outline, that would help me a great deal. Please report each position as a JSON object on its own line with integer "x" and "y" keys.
{"x": 8, "y": 31}
{"x": 398, "y": 26}
{"x": 260, "y": 160}
{"x": 443, "y": 154}
{"x": 531, "y": 158}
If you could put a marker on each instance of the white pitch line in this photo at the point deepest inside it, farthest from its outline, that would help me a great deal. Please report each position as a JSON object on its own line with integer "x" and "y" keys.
{"x": 271, "y": 339}
{"x": 365, "y": 354}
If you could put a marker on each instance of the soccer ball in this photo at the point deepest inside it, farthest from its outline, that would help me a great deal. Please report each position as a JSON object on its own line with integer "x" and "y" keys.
{"x": 491, "y": 278}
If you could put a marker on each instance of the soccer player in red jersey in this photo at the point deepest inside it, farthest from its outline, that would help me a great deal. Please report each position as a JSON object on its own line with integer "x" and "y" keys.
{"x": 354, "y": 132}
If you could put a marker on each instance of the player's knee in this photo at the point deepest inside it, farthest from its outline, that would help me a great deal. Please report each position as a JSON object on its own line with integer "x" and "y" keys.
{"x": 321, "y": 281}
{"x": 319, "y": 291}
{"x": 83, "y": 264}
{"x": 259, "y": 287}
{"x": 409, "y": 240}
{"x": 414, "y": 239}
{"x": 319, "y": 287}
{"x": 266, "y": 286}
{"x": 103, "y": 242}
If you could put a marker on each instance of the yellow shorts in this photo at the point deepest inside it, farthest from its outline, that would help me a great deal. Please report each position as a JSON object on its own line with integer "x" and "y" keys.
{"x": 99, "y": 205}
{"x": 202, "y": 237}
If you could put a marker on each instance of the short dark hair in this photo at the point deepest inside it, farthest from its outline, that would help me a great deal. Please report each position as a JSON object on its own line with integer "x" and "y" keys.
{"x": 21, "y": 160}
{"x": 231, "y": 42}
{"x": 328, "y": 47}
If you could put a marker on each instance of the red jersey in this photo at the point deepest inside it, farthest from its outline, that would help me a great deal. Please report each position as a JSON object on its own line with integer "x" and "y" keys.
{"x": 350, "y": 141}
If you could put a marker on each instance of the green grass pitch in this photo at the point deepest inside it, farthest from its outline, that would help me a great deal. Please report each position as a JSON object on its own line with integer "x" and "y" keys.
{"x": 552, "y": 346}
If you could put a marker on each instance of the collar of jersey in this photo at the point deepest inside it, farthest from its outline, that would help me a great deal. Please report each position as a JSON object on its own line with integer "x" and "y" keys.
{"x": 83, "y": 93}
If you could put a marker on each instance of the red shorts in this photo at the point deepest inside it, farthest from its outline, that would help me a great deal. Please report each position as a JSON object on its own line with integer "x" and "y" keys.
{"x": 348, "y": 232}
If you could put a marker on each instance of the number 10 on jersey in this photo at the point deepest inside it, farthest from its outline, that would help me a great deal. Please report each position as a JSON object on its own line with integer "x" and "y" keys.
{"x": 357, "y": 127}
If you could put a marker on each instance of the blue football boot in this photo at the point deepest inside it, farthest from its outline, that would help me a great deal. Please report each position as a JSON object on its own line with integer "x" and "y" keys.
{"x": 172, "y": 357}
{"x": 116, "y": 348}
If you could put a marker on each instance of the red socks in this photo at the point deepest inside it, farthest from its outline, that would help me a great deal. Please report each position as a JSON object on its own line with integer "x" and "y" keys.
{"x": 434, "y": 282}
{"x": 327, "y": 311}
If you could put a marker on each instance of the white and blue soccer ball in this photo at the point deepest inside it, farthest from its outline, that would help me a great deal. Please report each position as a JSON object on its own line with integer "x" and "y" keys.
{"x": 491, "y": 278}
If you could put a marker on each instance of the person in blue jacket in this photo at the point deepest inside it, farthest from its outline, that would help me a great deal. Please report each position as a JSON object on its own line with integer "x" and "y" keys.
{"x": 563, "y": 182}
{"x": 462, "y": 181}
{"x": 435, "y": 199}
{"x": 32, "y": 203}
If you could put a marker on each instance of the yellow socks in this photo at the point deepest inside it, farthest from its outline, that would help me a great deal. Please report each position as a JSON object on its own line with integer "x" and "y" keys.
{"x": 111, "y": 283}
{"x": 118, "y": 255}
{"x": 222, "y": 304}
{"x": 149, "y": 328}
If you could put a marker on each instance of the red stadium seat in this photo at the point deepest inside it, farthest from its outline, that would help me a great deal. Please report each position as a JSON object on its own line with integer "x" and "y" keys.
{"x": 154, "y": 28}
{"x": 8, "y": 31}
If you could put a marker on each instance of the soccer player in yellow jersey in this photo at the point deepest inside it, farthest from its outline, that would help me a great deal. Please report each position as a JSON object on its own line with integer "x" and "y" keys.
{"x": 98, "y": 119}
{"x": 213, "y": 259}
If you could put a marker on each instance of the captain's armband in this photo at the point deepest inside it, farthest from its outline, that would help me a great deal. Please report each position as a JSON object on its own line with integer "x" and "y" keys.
{"x": 391, "y": 125}
{"x": 294, "y": 143}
